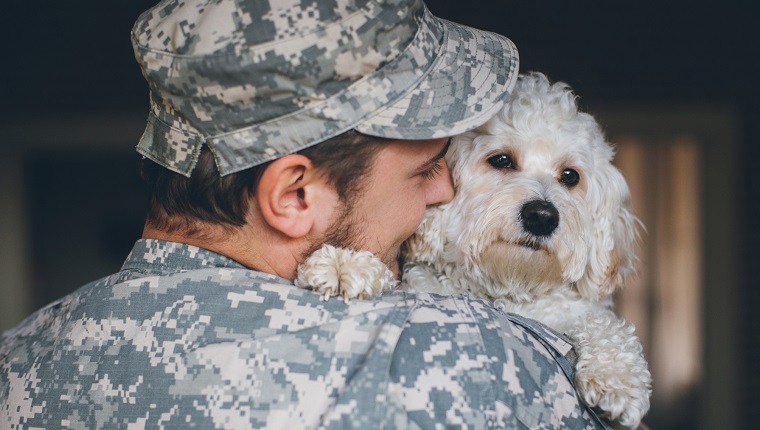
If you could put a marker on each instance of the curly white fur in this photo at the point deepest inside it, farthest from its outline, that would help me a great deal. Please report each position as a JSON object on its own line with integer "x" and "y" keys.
{"x": 346, "y": 273}
{"x": 480, "y": 244}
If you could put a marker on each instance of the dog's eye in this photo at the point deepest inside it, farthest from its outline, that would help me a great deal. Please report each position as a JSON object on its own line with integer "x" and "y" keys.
{"x": 501, "y": 161}
{"x": 570, "y": 177}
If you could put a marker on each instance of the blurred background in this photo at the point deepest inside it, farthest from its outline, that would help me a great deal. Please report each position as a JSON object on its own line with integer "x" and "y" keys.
{"x": 673, "y": 83}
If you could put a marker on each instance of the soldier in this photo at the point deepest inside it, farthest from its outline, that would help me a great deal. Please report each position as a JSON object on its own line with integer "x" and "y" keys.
{"x": 275, "y": 127}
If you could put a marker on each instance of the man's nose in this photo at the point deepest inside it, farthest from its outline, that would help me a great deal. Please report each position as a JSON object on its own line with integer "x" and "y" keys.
{"x": 441, "y": 190}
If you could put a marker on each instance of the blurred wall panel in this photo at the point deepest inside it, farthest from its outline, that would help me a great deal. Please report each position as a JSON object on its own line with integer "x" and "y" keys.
{"x": 15, "y": 290}
{"x": 679, "y": 166}
{"x": 677, "y": 334}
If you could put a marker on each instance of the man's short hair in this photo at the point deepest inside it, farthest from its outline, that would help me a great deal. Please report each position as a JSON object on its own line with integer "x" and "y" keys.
{"x": 184, "y": 204}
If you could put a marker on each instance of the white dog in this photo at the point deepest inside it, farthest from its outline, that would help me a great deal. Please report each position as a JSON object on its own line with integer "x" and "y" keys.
{"x": 541, "y": 225}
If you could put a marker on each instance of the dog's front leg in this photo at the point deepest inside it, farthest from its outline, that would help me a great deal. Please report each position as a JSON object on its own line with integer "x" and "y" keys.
{"x": 611, "y": 373}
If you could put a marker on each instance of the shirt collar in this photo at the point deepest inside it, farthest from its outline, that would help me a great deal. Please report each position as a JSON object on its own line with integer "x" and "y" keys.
{"x": 160, "y": 256}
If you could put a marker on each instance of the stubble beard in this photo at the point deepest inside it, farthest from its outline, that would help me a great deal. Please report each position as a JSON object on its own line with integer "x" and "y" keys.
{"x": 346, "y": 232}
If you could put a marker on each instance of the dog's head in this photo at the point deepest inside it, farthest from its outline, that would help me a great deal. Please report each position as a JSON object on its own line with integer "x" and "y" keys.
{"x": 538, "y": 203}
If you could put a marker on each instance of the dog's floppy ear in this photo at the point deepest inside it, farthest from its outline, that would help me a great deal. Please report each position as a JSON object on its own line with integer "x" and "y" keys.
{"x": 612, "y": 258}
{"x": 427, "y": 243}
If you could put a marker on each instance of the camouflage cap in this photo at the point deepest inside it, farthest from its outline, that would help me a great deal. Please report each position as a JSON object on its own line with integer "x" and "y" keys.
{"x": 257, "y": 79}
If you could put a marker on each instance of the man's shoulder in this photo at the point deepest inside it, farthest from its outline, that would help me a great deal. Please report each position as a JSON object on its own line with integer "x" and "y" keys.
{"x": 506, "y": 370}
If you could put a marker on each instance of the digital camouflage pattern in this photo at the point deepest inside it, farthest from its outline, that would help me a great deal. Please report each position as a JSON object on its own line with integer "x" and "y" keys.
{"x": 257, "y": 79}
{"x": 182, "y": 337}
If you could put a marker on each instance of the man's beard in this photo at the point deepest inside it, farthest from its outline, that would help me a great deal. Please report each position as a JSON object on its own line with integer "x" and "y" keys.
{"x": 346, "y": 232}
{"x": 343, "y": 233}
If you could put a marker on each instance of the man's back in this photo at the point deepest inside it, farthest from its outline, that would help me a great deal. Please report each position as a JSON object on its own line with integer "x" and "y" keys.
{"x": 185, "y": 337}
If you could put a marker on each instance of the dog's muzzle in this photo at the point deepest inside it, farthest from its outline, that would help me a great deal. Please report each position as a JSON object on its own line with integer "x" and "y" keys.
{"x": 539, "y": 217}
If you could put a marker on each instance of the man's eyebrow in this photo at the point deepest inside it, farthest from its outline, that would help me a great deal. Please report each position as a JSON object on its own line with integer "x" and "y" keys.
{"x": 433, "y": 161}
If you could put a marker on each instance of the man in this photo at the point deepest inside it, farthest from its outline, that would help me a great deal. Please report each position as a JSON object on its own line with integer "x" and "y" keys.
{"x": 277, "y": 127}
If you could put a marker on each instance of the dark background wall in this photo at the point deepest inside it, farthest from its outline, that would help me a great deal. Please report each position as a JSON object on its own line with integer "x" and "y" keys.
{"x": 69, "y": 66}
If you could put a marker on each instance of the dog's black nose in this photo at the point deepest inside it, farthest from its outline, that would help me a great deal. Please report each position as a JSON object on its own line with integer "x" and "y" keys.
{"x": 539, "y": 217}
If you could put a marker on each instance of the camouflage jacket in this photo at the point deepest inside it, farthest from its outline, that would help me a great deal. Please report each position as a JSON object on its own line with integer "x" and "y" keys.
{"x": 182, "y": 337}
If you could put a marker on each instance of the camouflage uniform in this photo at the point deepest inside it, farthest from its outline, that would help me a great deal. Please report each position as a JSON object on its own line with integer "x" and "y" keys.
{"x": 182, "y": 337}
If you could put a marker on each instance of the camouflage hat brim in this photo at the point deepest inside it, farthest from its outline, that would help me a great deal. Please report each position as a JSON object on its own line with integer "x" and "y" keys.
{"x": 387, "y": 68}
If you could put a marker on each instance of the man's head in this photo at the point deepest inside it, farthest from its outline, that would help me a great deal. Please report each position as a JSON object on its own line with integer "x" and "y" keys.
{"x": 381, "y": 191}
{"x": 188, "y": 204}
{"x": 255, "y": 85}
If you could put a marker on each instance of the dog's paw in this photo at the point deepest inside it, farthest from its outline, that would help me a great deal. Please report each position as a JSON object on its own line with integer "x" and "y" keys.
{"x": 621, "y": 398}
{"x": 344, "y": 272}
{"x": 612, "y": 374}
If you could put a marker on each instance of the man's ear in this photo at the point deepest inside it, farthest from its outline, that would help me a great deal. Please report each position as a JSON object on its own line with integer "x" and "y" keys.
{"x": 286, "y": 195}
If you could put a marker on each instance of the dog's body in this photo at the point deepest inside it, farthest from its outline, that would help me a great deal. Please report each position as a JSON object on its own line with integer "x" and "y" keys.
{"x": 541, "y": 225}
